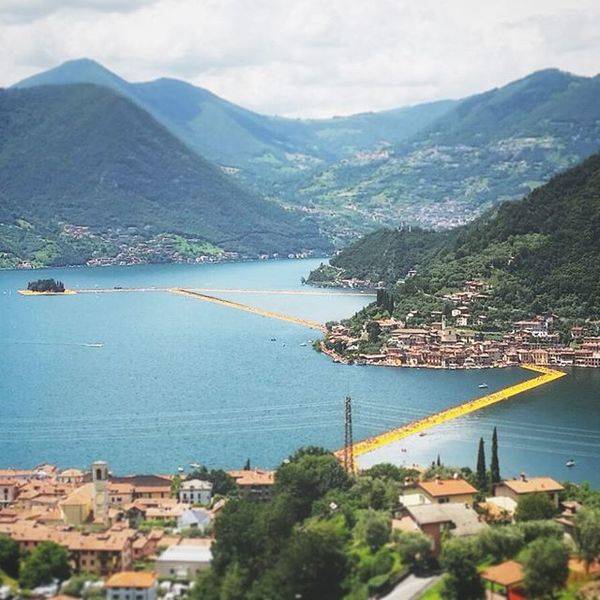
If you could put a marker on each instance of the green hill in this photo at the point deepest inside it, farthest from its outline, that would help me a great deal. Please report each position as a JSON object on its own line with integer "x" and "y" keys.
{"x": 538, "y": 254}
{"x": 264, "y": 151}
{"x": 83, "y": 155}
{"x": 488, "y": 148}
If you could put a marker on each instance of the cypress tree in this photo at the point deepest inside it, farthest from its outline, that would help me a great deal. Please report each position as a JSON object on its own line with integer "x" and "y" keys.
{"x": 495, "y": 464}
{"x": 481, "y": 474}
{"x": 439, "y": 462}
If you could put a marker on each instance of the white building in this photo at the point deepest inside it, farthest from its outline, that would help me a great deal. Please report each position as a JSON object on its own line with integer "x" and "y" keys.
{"x": 132, "y": 585}
{"x": 195, "y": 491}
{"x": 184, "y": 561}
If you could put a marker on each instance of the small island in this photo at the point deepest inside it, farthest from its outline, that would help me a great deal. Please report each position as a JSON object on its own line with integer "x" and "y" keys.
{"x": 46, "y": 287}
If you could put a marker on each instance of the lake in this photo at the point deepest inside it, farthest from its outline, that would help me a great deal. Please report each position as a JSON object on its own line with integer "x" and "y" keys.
{"x": 178, "y": 380}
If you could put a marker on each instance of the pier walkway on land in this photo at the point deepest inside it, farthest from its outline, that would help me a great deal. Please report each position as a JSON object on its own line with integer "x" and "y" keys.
{"x": 373, "y": 443}
{"x": 247, "y": 308}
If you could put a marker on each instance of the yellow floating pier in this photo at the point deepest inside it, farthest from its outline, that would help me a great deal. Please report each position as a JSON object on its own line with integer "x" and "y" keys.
{"x": 373, "y": 443}
{"x": 246, "y": 308}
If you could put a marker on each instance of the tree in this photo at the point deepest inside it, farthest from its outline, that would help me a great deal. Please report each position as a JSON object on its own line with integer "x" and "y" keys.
{"x": 532, "y": 530}
{"x": 308, "y": 478}
{"x": 373, "y": 529}
{"x": 462, "y": 581}
{"x": 534, "y": 507}
{"x": 247, "y": 466}
{"x": 46, "y": 562}
{"x": 501, "y": 542}
{"x": 373, "y": 331}
{"x": 9, "y": 556}
{"x": 314, "y": 564}
{"x": 175, "y": 485}
{"x": 546, "y": 567}
{"x": 495, "y": 464}
{"x": 415, "y": 550}
{"x": 587, "y": 535}
{"x": 481, "y": 476}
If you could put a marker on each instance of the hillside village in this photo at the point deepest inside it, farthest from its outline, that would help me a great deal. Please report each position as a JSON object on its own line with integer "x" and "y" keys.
{"x": 458, "y": 340}
{"x": 143, "y": 536}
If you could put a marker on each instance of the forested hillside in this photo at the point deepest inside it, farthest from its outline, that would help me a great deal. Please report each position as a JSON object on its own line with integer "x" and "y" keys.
{"x": 490, "y": 147}
{"x": 78, "y": 156}
{"x": 538, "y": 254}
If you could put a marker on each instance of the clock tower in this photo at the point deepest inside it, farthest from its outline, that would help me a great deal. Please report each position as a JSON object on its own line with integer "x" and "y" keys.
{"x": 100, "y": 494}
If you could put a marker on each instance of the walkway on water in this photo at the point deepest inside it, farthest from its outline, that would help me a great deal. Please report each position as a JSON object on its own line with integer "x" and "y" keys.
{"x": 221, "y": 291}
{"x": 247, "y": 308}
{"x": 373, "y": 443}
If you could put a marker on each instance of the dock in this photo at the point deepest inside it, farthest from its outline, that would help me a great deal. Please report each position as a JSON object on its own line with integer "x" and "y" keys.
{"x": 247, "y": 308}
{"x": 545, "y": 376}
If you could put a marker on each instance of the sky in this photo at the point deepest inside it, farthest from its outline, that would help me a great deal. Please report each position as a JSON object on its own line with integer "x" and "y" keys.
{"x": 307, "y": 58}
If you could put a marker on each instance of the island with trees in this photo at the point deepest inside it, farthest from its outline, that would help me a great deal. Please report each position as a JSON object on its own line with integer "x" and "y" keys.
{"x": 46, "y": 286}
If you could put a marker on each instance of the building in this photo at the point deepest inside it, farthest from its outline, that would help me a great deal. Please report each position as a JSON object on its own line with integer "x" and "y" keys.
{"x": 195, "y": 491}
{"x": 504, "y": 581}
{"x": 184, "y": 561}
{"x": 517, "y": 488}
{"x": 78, "y": 506}
{"x": 132, "y": 585}
{"x": 195, "y": 518}
{"x": 256, "y": 484}
{"x": 438, "y": 520}
{"x": 9, "y": 489}
{"x": 100, "y": 491}
{"x": 71, "y": 476}
{"x": 438, "y": 491}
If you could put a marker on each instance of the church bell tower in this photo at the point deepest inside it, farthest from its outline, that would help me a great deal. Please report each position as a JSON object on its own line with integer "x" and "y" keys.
{"x": 100, "y": 493}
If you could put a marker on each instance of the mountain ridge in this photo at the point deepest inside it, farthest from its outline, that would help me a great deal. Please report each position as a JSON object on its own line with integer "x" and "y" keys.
{"x": 81, "y": 155}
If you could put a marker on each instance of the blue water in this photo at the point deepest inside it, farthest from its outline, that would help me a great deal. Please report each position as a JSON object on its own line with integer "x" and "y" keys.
{"x": 178, "y": 380}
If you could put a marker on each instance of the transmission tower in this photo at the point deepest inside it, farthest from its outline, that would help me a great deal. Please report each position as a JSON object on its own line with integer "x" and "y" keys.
{"x": 348, "y": 441}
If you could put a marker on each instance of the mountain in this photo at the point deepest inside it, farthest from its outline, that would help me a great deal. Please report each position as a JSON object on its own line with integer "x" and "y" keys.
{"x": 82, "y": 156}
{"x": 488, "y": 148}
{"x": 539, "y": 254}
{"x": 264, "y": 151}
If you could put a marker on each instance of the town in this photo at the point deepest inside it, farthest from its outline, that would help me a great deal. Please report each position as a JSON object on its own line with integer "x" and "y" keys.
{"x": 457, "y": 338}
{"x": 143, "y": 536}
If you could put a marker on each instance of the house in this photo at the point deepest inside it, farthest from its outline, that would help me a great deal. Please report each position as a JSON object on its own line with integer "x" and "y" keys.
{"x": 517, "y": 488}
{"x": 439, "y": 491}
{"x": 436, "y": 520}
{"x": 195, "y": 518}
{"x": 195, "y": 491}
{"x": 9, "y": 489}
{"x": 184, "y": 561}
{"x": 504, "y": 581}
{"x": 132, "y": 585}
{"x": 255, "y": 484}
{"x": 71, "y": 476}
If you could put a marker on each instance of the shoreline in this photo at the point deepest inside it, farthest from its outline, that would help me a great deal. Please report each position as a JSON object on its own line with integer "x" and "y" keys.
{"x": 172, "y": 262}
{"x": 67, "y": 292}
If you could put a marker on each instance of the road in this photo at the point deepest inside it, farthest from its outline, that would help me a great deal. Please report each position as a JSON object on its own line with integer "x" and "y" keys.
{"x": 411, "y": 588}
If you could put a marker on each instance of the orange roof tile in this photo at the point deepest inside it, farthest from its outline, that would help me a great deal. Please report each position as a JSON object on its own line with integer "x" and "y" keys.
{"x": 447, "y": 487}
{"x": 253, "y": 477}
{"x": 533, "y": 484}
{"x": 132, "y": 579}
{"x": 507, "y": 573}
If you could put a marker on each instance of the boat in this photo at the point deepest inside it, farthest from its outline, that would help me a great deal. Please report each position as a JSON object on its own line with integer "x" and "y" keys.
{"x": 303, "y": 344}
{"x": 422, "y": 434}
{"x": 273, "y": 339}
{"x": 482, "y": 386}
{"x": 95, "y": 345}
{"x": 570, "y": 463}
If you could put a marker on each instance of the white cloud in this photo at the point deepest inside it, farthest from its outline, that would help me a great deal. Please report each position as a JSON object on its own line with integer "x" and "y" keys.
{"x": 307, "y": 57}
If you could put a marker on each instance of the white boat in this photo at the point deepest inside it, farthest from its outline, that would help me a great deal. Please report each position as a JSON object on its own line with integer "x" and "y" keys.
{"x": 482, "y": 386}
{"x": 570, "y": 463}
{"x": 95, "y": 345}
{"x": 303, "y": 344}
